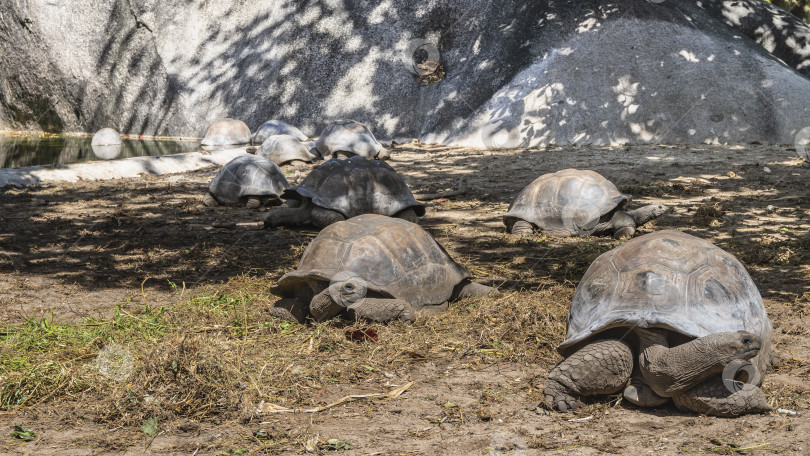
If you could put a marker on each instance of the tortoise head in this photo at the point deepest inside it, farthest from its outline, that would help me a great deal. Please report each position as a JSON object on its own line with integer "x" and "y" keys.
{"x": 735, "y": 345}
{"x": 347, "y": 289}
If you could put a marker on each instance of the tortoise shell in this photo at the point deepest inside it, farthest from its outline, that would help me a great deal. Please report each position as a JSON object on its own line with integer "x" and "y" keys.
{"x": 357, "y": 186}
{"x": 566, "y": 203}
{"x": 668, "y": 280}
{"x": 281, "y": 149}
{"x": 350, "y": 137}
{"x": 394, "y": 257}
{"x": 276, "y": 127}
{"x": 247, "y": 176}
{"x": 227, "y": 132}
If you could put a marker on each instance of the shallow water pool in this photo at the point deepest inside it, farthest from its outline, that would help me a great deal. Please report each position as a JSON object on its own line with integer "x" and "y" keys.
{"x": 19, "y": 150}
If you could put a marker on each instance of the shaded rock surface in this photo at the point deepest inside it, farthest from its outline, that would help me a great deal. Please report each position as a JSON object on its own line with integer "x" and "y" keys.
{"x": 517, "y": 72}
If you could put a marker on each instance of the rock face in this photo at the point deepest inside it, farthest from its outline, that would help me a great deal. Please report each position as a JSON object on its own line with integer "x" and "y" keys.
{"x": 516, "y": 72}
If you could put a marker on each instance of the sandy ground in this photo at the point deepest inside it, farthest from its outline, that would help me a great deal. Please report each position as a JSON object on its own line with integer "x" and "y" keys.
{"x": 77, "y": 250}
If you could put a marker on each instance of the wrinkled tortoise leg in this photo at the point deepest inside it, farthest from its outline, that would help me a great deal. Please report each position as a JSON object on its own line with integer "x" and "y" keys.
{"x": 290, "y": 309}
{"x": 321, "y": 218}
{"x": 408, "y": 215}
{"x": 601, "y": 367}
{"x": 522, "y": 228}
{"x": 323, "y": 307}
{"x": 470, "y": 289}
{"x": 288, "y": 216}
{"x": 623, "y": 225}
{"x": 253, "y": 203}
{"x": 209, "y": 200}
{"x": 712, "y": 397}
{"x": 639, "y": 393}
{"x": 383, "y": 310}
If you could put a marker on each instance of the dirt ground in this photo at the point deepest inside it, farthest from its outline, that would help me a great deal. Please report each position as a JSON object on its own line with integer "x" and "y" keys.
{"x": 73, "y": 251}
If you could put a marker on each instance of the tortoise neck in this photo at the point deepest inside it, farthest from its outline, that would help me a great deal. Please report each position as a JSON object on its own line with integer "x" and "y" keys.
{"x": 670, "y": 371}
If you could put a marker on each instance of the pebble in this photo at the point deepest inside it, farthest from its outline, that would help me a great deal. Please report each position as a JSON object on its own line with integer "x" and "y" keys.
{"x": 766, "y": 169}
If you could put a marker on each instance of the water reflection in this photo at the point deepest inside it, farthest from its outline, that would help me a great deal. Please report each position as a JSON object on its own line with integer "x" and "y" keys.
{"x": 107, "y": 152}
{"x": 17, "y": 151}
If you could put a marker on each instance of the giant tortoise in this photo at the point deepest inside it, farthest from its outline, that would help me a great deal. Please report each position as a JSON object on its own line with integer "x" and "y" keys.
{"x": 276, "y": 127}
{"x": 247, "y": 179}
{"x": 575, "y": 202}
{"x": 666, "y": 315}
{"x": 341, "y": 189}
{"x": 348, "y": 138}
{"x": 286, "y": 150}
{"x": 227, "y": 132}
{"x": 373, "y": 267}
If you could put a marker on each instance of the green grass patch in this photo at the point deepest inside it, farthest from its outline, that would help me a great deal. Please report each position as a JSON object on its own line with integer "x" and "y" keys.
{"x": 218, "y": 353}
{"x": 41, "y": 357}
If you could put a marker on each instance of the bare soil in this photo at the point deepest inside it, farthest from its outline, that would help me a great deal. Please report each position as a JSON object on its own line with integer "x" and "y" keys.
{"x": 80, "y": 250}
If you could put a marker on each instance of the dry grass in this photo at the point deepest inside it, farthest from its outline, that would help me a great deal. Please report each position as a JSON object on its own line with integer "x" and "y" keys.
{"x": 219, "y": 354}
{"x": 709, "y": 215}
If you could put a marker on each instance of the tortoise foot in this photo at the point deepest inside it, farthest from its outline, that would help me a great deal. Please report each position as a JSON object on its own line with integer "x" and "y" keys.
{"x": 253, "y": 203}
{"x": 522, "y": 228}
{"x": 639, "y": 393}
{"x": 624, "y": 233}
{"x": 209, "y": 200}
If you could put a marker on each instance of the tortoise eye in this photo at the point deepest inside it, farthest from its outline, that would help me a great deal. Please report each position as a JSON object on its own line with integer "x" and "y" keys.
{"x": 349, "y": 286}
{"x": 747, "y": 341}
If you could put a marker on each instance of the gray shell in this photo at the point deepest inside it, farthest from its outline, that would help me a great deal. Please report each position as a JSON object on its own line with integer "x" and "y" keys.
{"x": 357, "y": 186}
{"x": 394, "y": 257}
{"x": 566, "y": 203}
{"x": 668, "y": 280}
{"x": 349, "y": 137}
{"x": 276, "y": 127}
{"x": 227, "y": 132}
{"x": 282, "y": 149}
{"x": 247, "y": 176}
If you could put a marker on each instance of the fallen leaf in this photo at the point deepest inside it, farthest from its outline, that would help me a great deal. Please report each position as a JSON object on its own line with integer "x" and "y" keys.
{"x": 22, "y": 433}
{"x": 338, "y": 445}
{"x": 150, "y": 426}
